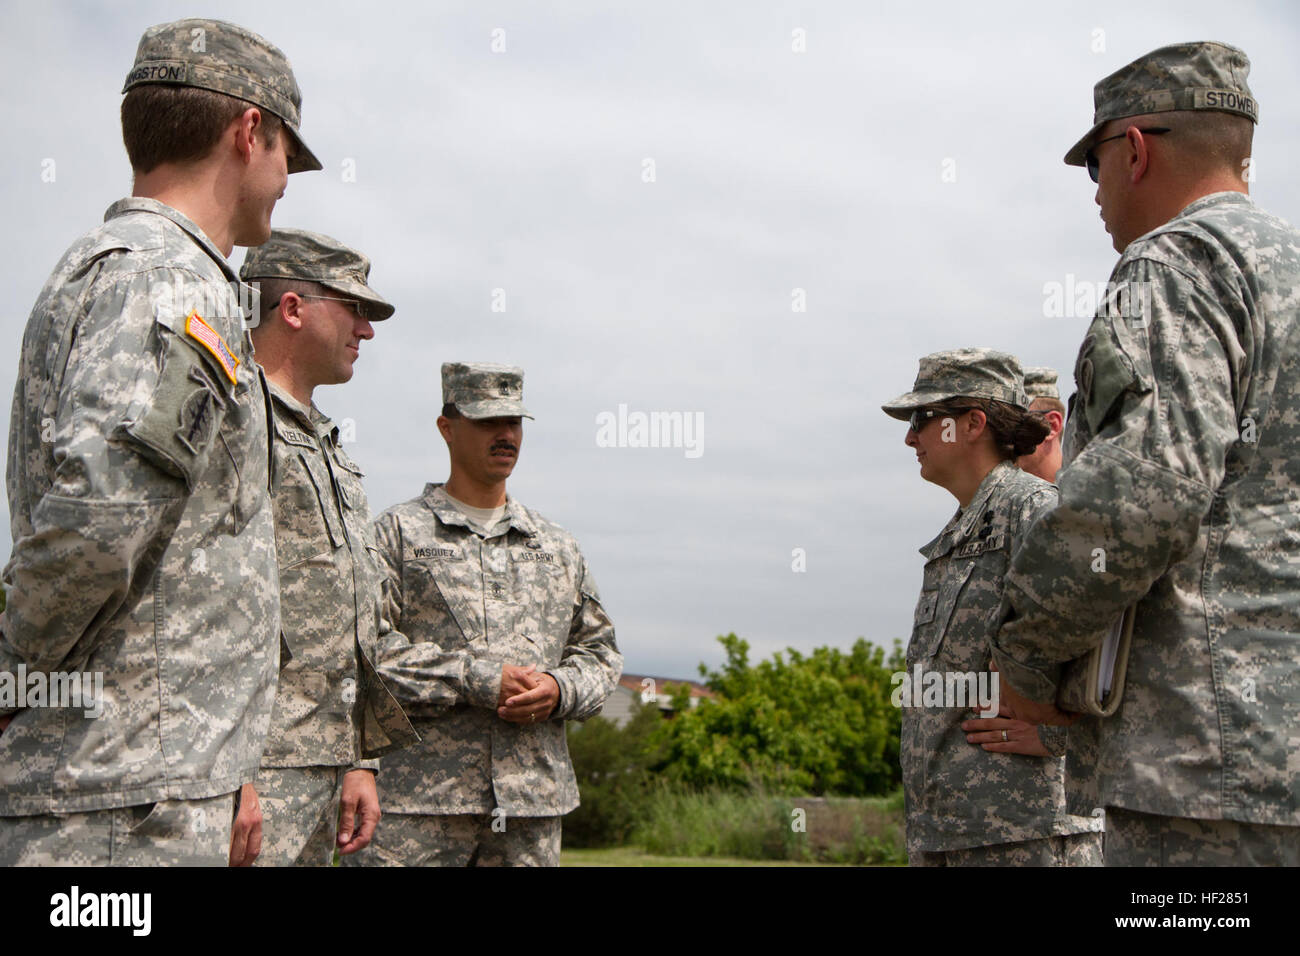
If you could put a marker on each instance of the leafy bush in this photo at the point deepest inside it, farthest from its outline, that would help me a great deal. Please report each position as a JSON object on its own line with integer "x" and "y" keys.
{"x": 611, "y": 764}
{"x": 815, "y": 724}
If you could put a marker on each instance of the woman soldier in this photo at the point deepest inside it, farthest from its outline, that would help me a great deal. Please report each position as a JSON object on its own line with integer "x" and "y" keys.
{"x": 995, "y": 797}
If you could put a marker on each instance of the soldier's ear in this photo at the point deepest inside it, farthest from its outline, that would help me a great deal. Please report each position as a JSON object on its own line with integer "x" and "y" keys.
{"x": 290, "y": 310}
{"x": 247, "y": 127}
{"x": 1055, "y": 421}
{"x": 444, "y": 428}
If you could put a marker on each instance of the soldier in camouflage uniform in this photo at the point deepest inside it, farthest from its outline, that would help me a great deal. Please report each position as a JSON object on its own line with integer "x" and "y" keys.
{"x": 1044, "y": 401}
{"x": 1043, "y": 462}
{"x": 500, "y": 637}
{"x": 144, "y": 547}
{"x": 317, "y": 307}
{"x": 1001, "y": 804}
{"x": 1179, "y": 487}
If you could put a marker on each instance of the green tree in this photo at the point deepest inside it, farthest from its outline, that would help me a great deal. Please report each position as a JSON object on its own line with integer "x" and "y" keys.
{"x": 820, "y": 723}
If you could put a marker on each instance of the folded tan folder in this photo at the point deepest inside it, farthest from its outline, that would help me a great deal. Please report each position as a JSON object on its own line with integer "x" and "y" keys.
{"x": 1094, "y": 684}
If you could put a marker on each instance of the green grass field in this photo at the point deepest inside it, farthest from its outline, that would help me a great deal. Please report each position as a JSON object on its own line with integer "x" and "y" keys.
{"x": 634, "y": 856}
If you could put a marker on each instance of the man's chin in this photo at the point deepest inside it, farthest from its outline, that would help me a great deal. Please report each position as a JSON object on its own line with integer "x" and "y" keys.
{"x": 254, "y": 237}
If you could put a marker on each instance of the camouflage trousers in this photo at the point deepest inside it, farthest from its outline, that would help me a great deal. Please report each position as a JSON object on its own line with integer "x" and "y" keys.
{"x": 463, "y": 839}
{"x": 300, "y": 814}
{"x": 1145, "y": 839}
{"x": 1075, "y": 849}
{"x": 166, "y": 833}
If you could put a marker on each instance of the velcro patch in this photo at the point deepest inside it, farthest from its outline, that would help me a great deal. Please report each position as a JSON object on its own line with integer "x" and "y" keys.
{"x": 993, "y": 542}
{"x": 198, "y": 417}
{"x": 452, "y": 554}
{"x": 207, "y": 336}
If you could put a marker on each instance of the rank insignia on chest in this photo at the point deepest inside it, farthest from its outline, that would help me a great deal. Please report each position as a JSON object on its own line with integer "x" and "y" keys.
{"x": 207, "y": 336}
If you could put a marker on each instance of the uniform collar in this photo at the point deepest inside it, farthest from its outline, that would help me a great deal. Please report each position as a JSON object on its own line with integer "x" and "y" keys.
{"x": 188, "y": 225}
{"x": 966, "y": 521}
{"x": 309, "y": 417}
{"x": 437, "y": 500}
{"x": 1228, "y": 196}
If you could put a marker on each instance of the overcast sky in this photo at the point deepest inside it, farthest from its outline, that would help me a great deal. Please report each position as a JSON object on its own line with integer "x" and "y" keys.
{"x": 904, "y": 171}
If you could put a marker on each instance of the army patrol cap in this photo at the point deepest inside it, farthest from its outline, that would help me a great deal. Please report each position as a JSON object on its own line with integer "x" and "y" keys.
{"x": 1041, "y": 383}
{"x": 482, "y": 390}
{"x": 224, "y": 58}
{"x": 962, "y": 373}
{"x": 1185, "y": 76}
{"x": 312, "y": 257}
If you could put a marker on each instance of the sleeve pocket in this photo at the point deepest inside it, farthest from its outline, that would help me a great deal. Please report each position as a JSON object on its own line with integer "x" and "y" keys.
{"x": 177, "y": 430}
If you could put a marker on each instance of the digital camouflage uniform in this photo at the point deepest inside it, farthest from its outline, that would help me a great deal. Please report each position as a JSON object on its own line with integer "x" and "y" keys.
{"x": 329, "y": 591}
{"x": 143, "y": 540}
{"x": 328, "y": 691}
{"x": 461, "y": 604}
{"x": 1183, "y": 460}
{"x": 996, "y": 808}
{"x": 1040, "y": 383}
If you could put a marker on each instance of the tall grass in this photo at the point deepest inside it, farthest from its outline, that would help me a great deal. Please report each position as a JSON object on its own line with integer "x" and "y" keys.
{"x": 758, "y": 826}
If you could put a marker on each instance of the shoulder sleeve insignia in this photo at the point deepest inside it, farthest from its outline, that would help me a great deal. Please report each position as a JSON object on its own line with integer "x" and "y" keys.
{"x": 207, "y": 336}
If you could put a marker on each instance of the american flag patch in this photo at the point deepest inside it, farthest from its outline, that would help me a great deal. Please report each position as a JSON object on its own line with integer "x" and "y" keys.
{"x": 207, "y": 336}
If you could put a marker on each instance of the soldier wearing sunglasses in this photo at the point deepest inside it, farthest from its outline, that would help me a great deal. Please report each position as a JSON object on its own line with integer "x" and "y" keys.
{"x": 990, "y": 791}
{"x": 331, "y": 710}
{"x": 1179, "y": 489}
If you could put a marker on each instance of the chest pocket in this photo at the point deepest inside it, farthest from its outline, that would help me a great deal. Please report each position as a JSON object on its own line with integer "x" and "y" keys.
{"x": 545, "y": 593}
{"x": 935, "y": 608}
{"x": 442, "y": 595}
{"x": 349, "y": 476}
{"x": 319, "y": 475}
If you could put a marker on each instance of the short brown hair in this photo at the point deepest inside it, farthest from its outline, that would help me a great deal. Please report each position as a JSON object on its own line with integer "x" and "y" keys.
{"x": 1045, "y": 403}
{"x": 1211, "y": 137}
{"x": 1016, "y": 432}
{"x": 168, "y": 123}
{"x": 271, "y": 291}
{"x": 451, "y": 411}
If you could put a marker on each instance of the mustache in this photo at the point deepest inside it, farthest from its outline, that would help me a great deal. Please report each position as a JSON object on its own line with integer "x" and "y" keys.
{"x": 504, "y": 446}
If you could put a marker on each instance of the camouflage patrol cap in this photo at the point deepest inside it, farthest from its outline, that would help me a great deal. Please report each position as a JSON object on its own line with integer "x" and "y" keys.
{"x": 482, "y": 390}
{"x": 312, "y": 257}
{"x": 1185, "y": 76}
{"x": 224, "y": 58}
{"x": 962, "y": 373}
{"x": 1041, "y": 383}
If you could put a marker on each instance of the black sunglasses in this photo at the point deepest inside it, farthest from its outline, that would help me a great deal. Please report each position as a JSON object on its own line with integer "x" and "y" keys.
{"x": 922, "y": 416}
{"x": 1090, "y": 158}
{"x": 365, "y": 310}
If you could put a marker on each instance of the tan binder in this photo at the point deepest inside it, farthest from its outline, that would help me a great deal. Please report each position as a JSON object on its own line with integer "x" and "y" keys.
{"x": 1084, "y": 681}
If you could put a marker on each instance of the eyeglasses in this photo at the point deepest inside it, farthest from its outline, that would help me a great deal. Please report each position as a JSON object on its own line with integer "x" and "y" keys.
{"x": 365, "y": 310}
{"x": 1090, "y": 158}
{"x": 922, "y": 416}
